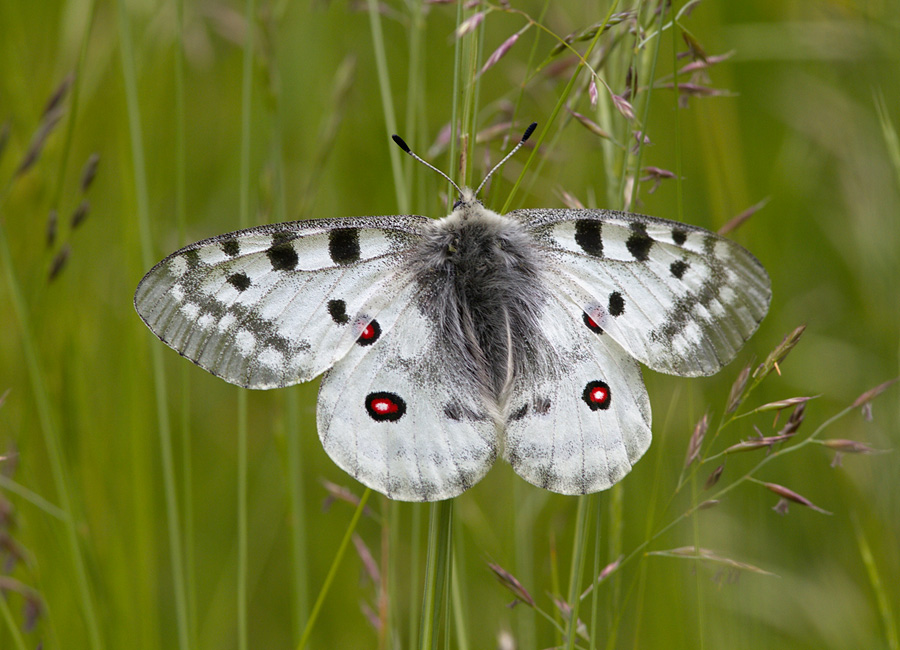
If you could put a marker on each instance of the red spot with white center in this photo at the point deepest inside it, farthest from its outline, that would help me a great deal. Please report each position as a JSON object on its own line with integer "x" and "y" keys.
{"x": 596, "y": 395}
{"x": 385, "y": 407}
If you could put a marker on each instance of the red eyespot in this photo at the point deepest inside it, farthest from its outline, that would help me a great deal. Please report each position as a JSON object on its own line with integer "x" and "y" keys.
{"x": 370, "y": 334}
{"x": 385, "y": 407}
{"x": 596, "y": 395}
{"x": 591, "y": 324}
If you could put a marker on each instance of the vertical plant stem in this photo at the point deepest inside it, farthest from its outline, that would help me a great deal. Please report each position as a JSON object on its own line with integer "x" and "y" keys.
{"x": 579, "y": 552}
{"x": 457, "y": 597}
{"x": 595, "y": 596}
{"x": 180, "y": 222}
{"x": 162, "y": 406}
{"x": 415, "y": 537}
{"x": 437, "y": 572}
{"x": 297, "y": 500}
{"x": 542, "y": 133}
{"x": 646, "y": 113}
{"x": 884, "y": 604}
{"x": 11, "y": 624}
{"x": 332, "y": 571}
{"x": 401, "y": 187}
{"x": 242, "y": 451}
{"x": 616, "y": 524}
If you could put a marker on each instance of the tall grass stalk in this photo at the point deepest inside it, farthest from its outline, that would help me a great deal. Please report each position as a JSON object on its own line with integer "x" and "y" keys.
{"x": 332, "y": 571}
{"x": 162, "y": 402}
{"x": 888, "y": 620}
{"x": 187, "y": 465}
{"x": 586, "y": 506}
{"x": 401, "y": 187}
{"x": 437, "y": 572}
{"x": 11, "y": 624}
{"x": 242, "y": 451}
{"x": 560, "y": 103}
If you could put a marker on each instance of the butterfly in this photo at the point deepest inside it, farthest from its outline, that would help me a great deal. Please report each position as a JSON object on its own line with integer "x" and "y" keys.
{"x": 448, "y": 343}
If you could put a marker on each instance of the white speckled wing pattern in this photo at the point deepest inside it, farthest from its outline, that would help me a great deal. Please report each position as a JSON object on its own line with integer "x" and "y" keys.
{"x": 276, "y": 305}
{"x": 580, "y": 427}
{"x": 424, "y": 433}
{"x": 678, "y": 298}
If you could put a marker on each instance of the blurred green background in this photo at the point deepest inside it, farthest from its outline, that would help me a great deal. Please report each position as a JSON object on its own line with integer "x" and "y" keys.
{"x": 806, "y": 118}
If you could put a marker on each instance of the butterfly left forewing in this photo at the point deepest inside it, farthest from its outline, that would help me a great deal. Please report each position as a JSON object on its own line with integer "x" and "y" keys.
{"x": 395, "y": 415}
{"x": 678, "y": 298}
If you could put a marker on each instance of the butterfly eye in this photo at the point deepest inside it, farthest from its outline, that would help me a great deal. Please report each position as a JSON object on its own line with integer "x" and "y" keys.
{"x": 596, "y": 395}
{"x": 370, "y": 334}
{"x": 385, "y": 407}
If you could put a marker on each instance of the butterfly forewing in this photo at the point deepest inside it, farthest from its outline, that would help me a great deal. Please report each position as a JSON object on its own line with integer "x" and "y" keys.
{"x": 276, "y": 305}
{"x": 678, "y": 298}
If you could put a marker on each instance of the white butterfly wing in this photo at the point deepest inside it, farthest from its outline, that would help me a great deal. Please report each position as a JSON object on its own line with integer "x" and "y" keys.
{"x": 400, "y": 419}
{"x": 680, "y": 299}
{"x": 579, "y": 426}
{"x": 276, "y": 305}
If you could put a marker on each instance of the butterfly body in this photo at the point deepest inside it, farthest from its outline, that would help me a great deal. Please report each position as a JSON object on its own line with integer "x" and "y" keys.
{"x": 448, "y": 343}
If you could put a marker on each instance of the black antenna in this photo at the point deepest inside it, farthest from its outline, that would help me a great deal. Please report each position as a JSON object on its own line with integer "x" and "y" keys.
{"x": 525, "y": 136}
{"x": 400, "y": 143}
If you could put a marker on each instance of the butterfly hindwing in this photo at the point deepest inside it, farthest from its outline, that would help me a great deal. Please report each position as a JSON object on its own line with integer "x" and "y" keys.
{"x": 276, "y": 305}
{"x": 678, "y": 298}
{"x": 578, "y": 426}
{"x": 401, "y": 420}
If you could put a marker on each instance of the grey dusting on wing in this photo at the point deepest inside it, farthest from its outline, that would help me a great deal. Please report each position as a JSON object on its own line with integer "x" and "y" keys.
{"x": 480, "y": 279}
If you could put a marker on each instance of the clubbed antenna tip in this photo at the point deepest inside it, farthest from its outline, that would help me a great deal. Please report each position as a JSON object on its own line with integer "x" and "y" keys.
{"x": 400, "y": 143}
{"x": 529, "y": 131}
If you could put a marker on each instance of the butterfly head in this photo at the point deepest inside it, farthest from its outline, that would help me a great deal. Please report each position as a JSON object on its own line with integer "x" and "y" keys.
{"x": 467, "y": 197}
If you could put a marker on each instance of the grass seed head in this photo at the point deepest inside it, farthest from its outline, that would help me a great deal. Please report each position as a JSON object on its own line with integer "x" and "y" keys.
{"x": 509, "y": 581}
{"x": 696, "y": 441}
{"x": 89, "y": 171}
{"x": 787, "y": 494}
{"x": 80, "y": 214}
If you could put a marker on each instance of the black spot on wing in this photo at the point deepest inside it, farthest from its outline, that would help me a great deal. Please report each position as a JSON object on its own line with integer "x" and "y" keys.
{"x": 679, "y": 236}
{"x": 639, "y": 242}
{"x": 337, "y": 309}
{"x": 519, "y": 413}
{"x": 282, "y": 256}
{"x": 192, "y": 257}
{"x": 678, "y": 269}
{"x": 343, "y": 245}
{"x": 231, "y": 247}
{"x": 239, "y": 281}
{"x": 587, "y": 235}
{"x": 616, "y": 304}
{"x": 541, "y": 405}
